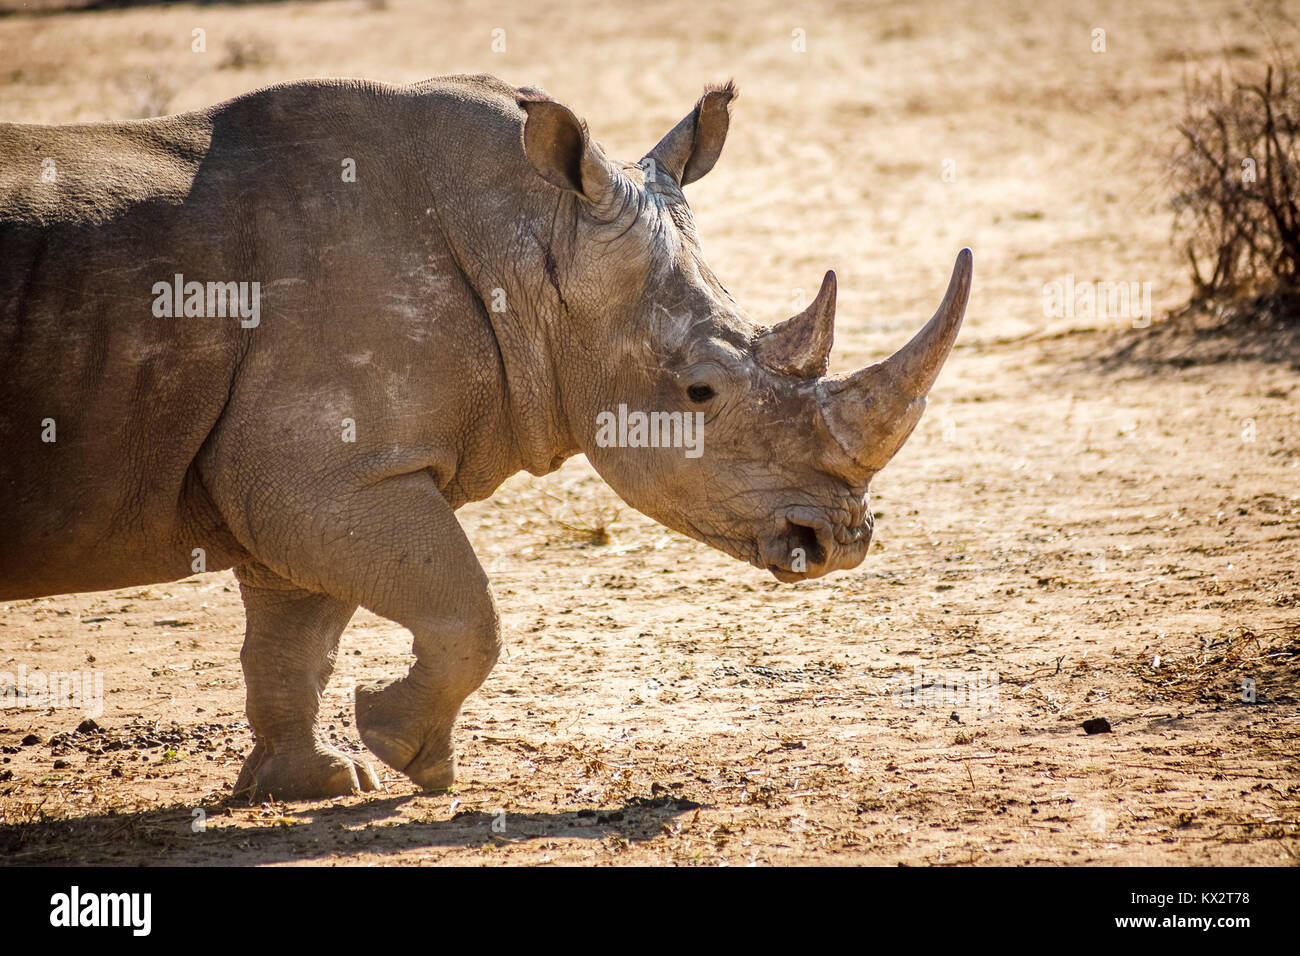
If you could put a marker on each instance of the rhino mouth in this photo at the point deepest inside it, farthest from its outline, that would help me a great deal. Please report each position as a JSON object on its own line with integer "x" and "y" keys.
{"x": 804, "y": 537}
{"x": 805, "y": 546}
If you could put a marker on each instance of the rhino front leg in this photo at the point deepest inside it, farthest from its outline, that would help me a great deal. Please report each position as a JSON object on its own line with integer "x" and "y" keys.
{"x": 394, "y": 547}
{"x": 289, "y": 649}
{"x": 442, "y": 596}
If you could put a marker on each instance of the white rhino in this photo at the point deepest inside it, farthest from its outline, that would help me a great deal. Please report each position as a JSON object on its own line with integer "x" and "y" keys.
{"x": 291, "y": 334}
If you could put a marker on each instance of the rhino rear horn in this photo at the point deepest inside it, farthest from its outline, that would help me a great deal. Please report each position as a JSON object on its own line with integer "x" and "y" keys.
{"x": 873, "y": 411}
{"x": 690, "y": 148}
{"x": 802, "y": 345}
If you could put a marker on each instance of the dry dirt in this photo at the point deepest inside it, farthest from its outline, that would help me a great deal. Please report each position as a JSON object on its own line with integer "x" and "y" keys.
{"x": 1062, "y": 539}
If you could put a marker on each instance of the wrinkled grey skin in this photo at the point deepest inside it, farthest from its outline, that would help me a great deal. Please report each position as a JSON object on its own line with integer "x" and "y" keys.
{"x": 177, "y": 434}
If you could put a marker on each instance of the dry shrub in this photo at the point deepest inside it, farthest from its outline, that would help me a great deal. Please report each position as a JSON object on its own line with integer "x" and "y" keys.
{"x": 584, "y": 514}
{"x": 1236, "y": 176}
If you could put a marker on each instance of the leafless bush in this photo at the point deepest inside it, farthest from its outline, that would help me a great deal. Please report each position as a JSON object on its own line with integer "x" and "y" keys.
{"x": 1236, "y": 175}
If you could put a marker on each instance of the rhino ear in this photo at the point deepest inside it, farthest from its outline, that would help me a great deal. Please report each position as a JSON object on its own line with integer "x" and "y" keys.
{"x": 557, "y": 145}
{"x": 692, "y": 146}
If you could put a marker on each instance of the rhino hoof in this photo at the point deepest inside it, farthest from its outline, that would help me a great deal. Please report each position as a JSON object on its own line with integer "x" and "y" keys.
{"x": 435, "y": 777}
{"x": 303, "y": 775}
{"x": 432, "y": 775}
{"x": 421, "y": 752}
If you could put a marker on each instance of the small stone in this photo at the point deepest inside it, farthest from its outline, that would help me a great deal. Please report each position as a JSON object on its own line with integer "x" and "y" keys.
{"x": 31, "y": 740}
{"x": 1098, "y": 725}
{"x": 61, "y": 765}
{"x": 88, "y": 726}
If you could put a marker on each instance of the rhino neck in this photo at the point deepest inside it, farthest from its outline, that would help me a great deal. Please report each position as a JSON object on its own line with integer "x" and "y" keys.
{"x": 535, "y": 408}
{"x": 497, "y": 220}
{"x": 521, "y": 319}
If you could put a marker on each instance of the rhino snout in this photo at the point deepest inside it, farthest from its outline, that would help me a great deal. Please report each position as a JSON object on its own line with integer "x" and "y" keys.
{"x": 806, "y": 546}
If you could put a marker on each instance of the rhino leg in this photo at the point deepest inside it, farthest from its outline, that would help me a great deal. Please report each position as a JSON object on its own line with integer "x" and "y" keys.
{"x": 394, "y": 547}
{"x": 441, "y": 594}
{"x": 408, "y": 722}
{"x": 289, "y": 648}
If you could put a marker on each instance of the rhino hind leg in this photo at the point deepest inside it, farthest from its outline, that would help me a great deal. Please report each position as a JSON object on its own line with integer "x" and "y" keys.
{"x": 289, "y": 650}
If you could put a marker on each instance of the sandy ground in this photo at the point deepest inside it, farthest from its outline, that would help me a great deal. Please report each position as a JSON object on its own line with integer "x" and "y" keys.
{"x": 1062, "y": 539}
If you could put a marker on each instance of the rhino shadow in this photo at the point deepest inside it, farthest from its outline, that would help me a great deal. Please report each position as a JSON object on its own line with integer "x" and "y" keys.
{"x": 298, "y": 833}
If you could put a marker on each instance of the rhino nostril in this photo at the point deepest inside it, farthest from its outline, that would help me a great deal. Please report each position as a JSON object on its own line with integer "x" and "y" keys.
{"x": 805, "y": 538}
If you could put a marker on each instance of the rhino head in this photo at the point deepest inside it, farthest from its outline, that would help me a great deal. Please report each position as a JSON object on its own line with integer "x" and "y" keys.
{"x": 727, "y": 431}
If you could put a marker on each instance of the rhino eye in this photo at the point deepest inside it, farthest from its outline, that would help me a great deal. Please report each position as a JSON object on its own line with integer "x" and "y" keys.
{"x": 700, "y": 393}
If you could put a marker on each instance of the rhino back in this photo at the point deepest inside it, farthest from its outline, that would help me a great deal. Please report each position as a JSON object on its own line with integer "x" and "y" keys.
{"x": 360, "y": 306}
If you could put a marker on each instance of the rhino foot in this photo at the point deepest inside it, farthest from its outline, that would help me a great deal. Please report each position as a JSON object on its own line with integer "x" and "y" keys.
{"x": 420, "y": 748}
{"x": 311, "y": 774}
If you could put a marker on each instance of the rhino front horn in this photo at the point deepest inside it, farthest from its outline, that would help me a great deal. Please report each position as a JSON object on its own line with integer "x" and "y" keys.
{"x": 802, "y": 345}
{"x": 872, "y": 412}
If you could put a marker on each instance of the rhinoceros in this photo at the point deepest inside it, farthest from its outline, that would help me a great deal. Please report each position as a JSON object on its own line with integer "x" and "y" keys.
{"x": 293, "y": 333}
